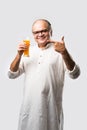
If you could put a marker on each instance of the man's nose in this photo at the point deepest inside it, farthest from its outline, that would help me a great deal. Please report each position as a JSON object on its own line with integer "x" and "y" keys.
{"x": 40, "y": 33}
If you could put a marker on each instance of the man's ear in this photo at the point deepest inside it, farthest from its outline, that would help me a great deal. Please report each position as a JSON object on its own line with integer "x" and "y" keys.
{"x": 51, "y": 32}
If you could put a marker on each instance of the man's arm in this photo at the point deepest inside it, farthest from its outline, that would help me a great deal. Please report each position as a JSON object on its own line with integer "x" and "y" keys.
{"x": 70, "y": 63}
{"x": 59, "y": 46}
{"x": 74, "y": 70}
{"x": 15, "y": 63}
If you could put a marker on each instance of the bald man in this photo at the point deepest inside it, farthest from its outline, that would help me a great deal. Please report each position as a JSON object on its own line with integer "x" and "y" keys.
{"x": 44, "y": 72}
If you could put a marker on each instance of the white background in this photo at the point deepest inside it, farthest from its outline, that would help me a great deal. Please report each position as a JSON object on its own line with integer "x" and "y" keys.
{"x": 68, "y": 18}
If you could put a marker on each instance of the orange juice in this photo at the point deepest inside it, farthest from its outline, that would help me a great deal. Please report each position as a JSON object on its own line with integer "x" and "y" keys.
{"x": 27, "y": 42}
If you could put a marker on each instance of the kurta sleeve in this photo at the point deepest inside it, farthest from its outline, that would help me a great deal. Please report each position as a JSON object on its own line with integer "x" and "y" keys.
{"x": 75, "y": 72}
{"x": 13, "y": 75}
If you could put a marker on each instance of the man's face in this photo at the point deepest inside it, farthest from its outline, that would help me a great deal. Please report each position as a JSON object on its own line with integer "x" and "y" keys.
{"x": 41, "y": 32}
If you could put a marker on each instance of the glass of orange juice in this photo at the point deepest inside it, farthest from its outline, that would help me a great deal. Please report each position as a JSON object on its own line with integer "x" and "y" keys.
{"x": 27, "y": 42}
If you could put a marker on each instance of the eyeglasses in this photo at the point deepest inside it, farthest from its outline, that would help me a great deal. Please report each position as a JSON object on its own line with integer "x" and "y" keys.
{"x": 41, "y": 31}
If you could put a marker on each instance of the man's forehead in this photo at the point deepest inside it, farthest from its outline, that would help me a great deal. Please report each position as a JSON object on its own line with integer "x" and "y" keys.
{"x": 40, "y": 24}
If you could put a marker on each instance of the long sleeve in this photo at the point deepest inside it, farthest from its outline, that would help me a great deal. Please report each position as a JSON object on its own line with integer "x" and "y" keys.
{"x": 75, "y": 72}
{"x": 20, "y": 71}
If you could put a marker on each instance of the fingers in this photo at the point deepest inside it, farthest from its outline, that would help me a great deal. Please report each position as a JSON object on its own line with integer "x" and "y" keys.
{"x": 62, "y": 39}
{"x": 52, "y": 41}
{"x": 22, "y": 47}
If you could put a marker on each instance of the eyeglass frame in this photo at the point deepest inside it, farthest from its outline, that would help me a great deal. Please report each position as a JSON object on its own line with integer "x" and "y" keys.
{"x": 41, "y": 31}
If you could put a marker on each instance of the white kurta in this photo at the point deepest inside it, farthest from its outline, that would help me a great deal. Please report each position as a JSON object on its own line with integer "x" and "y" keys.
{"x": 42, "y": 96}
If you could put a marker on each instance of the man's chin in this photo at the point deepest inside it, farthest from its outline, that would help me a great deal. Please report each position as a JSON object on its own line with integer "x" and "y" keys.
{"x": 41, "y": 44}
{"x": 42, "y": 41}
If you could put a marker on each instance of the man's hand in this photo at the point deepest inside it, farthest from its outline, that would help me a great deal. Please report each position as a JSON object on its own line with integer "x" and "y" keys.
{"x": 21, "y": 48}
{"x": 59, "y": 46}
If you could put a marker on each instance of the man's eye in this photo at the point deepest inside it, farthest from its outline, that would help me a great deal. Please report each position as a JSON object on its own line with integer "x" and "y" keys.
{"x": 42, "y": 31}
{"x": 35, "y": 32}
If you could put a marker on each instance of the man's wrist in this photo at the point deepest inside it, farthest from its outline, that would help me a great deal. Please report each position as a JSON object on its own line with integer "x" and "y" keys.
{"x": 64, "y": 52}
{"x": 19, "y": 54}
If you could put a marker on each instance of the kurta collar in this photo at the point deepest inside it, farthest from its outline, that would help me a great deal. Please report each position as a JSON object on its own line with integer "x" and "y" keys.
{"x": 47, "y": 46}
